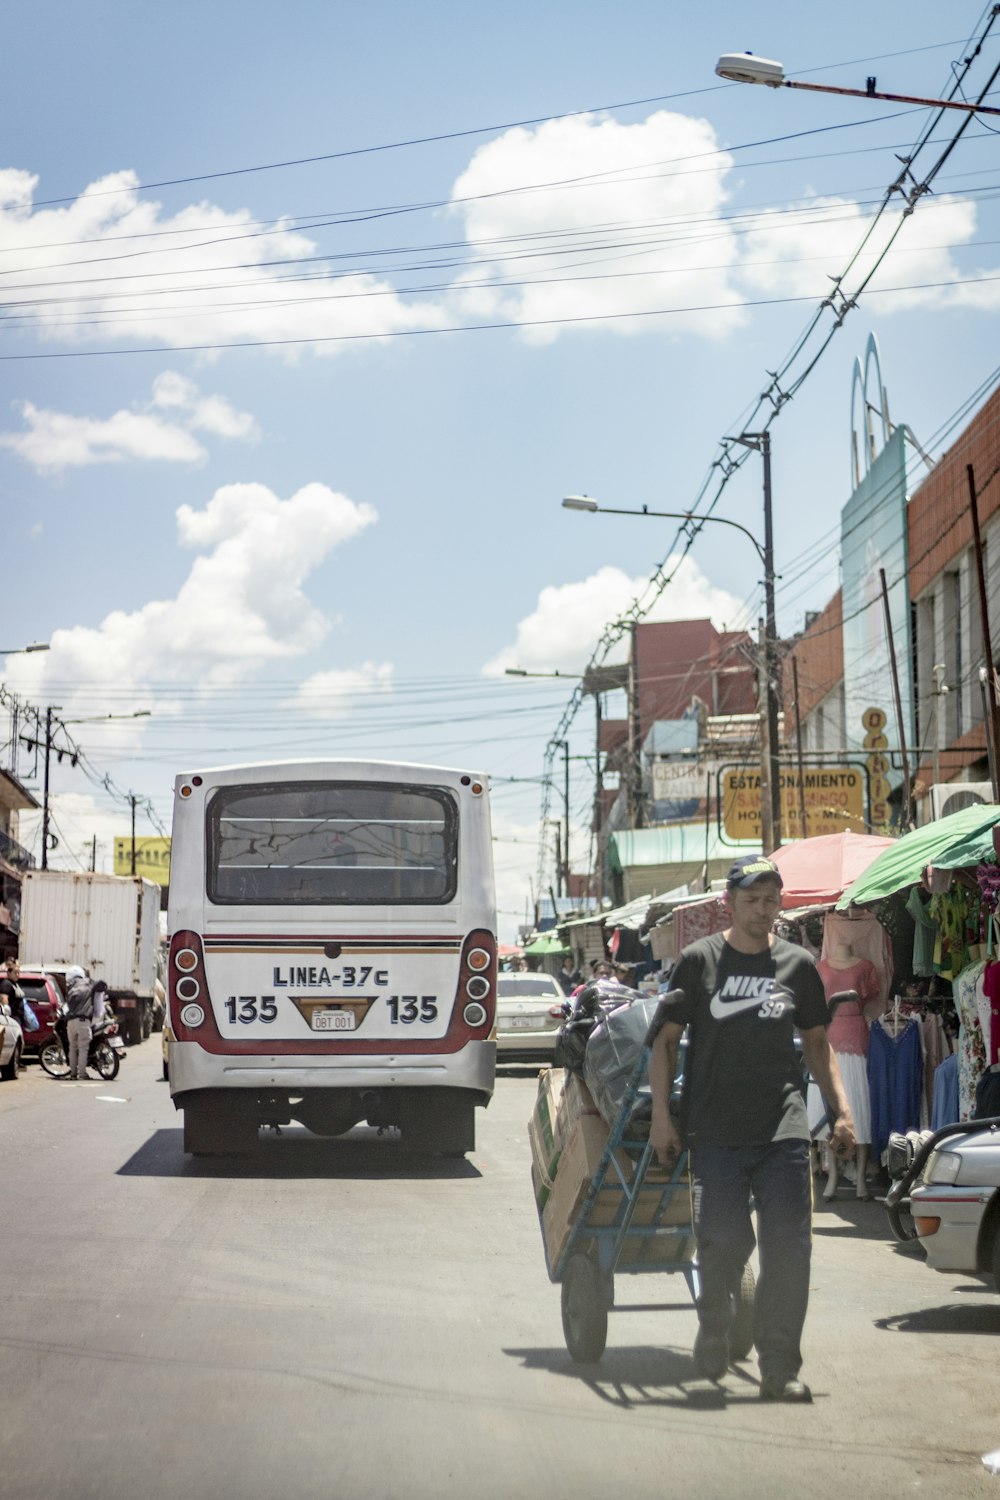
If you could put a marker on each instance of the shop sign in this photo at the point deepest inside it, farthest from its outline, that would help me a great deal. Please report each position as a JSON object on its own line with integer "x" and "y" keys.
{"x": 877, "y": 765}
{"x": 834, "y": 799}
{"x": 677, "y": 780}
{"x": 152, "y": 858}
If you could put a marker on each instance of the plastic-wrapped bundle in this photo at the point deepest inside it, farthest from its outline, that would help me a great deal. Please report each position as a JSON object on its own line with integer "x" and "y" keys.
{"x": 613, "y": 1049}
{"x": 590, "y": 1005}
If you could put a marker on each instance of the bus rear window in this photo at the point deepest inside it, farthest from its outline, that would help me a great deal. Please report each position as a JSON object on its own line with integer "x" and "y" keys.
{"x": 336, "y": 843}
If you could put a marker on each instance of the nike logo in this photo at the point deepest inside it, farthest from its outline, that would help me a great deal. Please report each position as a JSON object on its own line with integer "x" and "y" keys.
{"x": 769, "y": 999}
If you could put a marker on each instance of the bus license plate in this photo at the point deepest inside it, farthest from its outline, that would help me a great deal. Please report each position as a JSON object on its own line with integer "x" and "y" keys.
{"x": 333, "y": 1020}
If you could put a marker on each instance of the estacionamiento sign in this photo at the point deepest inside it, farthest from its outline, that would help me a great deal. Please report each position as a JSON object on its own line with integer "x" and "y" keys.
{"x": 152, "y": 858}
{"x": 834, "y": 798}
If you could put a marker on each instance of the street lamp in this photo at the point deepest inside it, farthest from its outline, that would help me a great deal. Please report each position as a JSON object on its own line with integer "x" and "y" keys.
{"x": 744, "y": 67}
{"x": 770, "y": 770}
{"x": 21, "y": 650}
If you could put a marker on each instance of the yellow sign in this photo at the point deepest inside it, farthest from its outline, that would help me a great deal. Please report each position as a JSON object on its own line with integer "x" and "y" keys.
{"x": 152, "y": 858}
{"x": 874, "y": 721}
{"x": 834, "y": 798}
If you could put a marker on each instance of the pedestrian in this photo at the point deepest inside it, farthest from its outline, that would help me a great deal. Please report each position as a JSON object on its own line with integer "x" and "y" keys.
{"x": 85, "y": 1003}
{"x": 569, "y": 975}
{"x": 11, "y": 993}
{"x": 745, "y": 993}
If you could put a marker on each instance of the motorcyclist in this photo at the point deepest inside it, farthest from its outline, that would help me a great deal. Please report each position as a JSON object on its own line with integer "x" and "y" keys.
{"x": 85, "y": 1009}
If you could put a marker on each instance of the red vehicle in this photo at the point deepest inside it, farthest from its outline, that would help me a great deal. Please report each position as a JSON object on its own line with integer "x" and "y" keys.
{"x": 45, "y": 997}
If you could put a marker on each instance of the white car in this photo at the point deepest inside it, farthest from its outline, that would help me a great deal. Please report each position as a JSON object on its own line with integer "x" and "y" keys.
{"x": 530, "y": 1011}
{"x": 952, "y": 1190}
{"x": 11, "y": 1045}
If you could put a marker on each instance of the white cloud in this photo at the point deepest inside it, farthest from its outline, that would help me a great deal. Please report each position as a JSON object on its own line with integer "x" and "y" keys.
{"x": 561, "y": 632}
{"x": 54, "y": 441}
{"x": 175, "y": 392}
{"x": 625, "y": 200}
{"x": 122, "y": 268}
{"x": 331, "y": 695}
{"x": 796, "y": 252}
{"x": 242, "y": 604}
{"x": 76, "y": 818}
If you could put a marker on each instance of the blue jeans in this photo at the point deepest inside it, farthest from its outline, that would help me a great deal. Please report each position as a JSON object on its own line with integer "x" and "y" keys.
{"x": 779, "y": 1178}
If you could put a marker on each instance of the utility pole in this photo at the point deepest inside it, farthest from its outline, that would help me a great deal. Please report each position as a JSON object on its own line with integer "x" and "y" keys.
{"x": 984, "y": 616}
{"x": 133, "y": 799}
{"x": 761, "y": 443}
{"x": 766, "y": 803}
{"x": 907, "y": 792}
{"x": 45, "y": 792}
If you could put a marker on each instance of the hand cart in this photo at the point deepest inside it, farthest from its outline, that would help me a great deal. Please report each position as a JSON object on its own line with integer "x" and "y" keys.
{"x": 632, "y": 1224}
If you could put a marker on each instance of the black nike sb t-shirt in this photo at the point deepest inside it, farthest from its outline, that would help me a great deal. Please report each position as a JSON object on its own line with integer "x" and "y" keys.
{"x": 743, "y": 1080}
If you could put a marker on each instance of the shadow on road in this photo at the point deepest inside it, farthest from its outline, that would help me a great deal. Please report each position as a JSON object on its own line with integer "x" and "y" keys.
{"x": 296, "y": 1153}
{"x": 976, "y": 1317}
{"x": 642, "y": 1377}
{"x": 856, "y": 1219}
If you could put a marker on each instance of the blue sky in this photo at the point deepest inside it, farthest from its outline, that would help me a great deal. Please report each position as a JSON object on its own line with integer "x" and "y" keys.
{"x": 336, "y": 548}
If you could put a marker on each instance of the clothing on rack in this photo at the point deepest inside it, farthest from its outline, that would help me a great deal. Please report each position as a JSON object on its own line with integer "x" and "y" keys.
{"x": 848, "y": 1029}
{"x": 944, "y": 1106}
{"x": 988, "y": 1095}
{"x": 895, "y": 1079}
{"x": 867, "y": 938}
{"x": 991, "y": 990}
{"x": 924, "y": 933}
{"x": 971, "y": 1045}
{"x": 957, "y": 918}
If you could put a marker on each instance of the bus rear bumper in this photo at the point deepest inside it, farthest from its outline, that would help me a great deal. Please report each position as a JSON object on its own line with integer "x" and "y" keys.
{"x": 192, "y": 1070}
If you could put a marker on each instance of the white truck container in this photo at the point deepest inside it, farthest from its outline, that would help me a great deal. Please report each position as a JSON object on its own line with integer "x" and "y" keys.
{"x": 108, "y": 924}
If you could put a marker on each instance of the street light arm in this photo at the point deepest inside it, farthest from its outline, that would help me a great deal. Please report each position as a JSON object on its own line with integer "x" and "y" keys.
{"x": 746, "y": 67}
{"x": 670, "y": 515}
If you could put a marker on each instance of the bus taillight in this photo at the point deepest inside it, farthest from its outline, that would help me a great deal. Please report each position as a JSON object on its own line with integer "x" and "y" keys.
{"x": 477, "y": 983}
{"x": 189, "y": 1001}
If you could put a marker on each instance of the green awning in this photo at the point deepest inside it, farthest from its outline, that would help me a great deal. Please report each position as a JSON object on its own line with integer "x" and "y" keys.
{"x": 963, "y": 838}
{"x": 545, "y": 945}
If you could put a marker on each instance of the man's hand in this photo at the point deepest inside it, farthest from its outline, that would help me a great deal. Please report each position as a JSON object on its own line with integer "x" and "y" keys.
{"x": 843, "y": 1139}
{"x": 664, "y": 1139}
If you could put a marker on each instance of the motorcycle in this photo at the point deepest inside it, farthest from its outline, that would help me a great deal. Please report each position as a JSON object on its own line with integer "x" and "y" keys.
{"x": 104, "y": 1056}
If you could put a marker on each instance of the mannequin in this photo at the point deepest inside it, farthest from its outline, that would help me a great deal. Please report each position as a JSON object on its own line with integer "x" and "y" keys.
{"x": 840, "y": 970}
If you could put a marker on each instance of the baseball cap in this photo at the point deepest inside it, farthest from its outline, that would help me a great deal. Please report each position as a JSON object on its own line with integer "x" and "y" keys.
{"x": 749, "y": 868}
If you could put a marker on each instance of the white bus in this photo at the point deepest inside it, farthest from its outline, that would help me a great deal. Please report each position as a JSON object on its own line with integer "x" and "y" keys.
{"x": 332, "y": 952}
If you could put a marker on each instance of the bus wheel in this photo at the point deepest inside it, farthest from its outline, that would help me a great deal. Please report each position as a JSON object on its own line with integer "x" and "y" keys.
{"x": 212, "y": 1128}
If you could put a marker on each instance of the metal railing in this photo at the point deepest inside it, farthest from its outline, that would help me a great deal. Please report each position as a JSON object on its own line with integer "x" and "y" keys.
{"x": 14, "y": 853}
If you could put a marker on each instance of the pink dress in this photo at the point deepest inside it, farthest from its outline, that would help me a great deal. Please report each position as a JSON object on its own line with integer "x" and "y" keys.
{"x": 848, "y": 1029}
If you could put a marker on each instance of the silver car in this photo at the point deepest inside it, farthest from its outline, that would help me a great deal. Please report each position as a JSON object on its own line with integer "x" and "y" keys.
{"x": 530, "y": 1011}
{"x": 952, "y": 1191}
{"x": 11, "y": 1045}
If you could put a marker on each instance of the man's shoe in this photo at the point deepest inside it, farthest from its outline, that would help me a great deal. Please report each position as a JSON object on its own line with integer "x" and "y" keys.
{"x": 775, "y": 1388}
{"x": 711, "y": 1354}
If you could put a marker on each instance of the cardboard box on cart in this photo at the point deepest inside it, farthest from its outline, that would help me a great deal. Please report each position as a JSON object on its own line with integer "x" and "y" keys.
{"x": 578, "y": 1162}
{"x": 562, "y": 1098}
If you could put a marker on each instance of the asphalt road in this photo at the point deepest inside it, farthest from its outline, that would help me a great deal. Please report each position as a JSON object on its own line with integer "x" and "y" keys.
{"x": 333, "y": 1319}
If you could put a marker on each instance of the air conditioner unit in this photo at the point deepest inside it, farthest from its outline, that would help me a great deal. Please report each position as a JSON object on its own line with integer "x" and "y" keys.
{"x": 951, "y": 796}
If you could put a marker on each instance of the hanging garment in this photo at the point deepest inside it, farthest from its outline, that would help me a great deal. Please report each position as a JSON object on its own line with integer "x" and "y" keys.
{"x": 988, "y": 1096}
{"x": 867, "y": 938}
{"x": 971, "y": 1044}
{"x": 895, "y": 1079}
{"x": 848, "y": 1029}
{"x": 944, "y": 1108}
{"x": 924, "y": 934}
{"x": 991, "y": 988}
{"x": 957, "y": 917}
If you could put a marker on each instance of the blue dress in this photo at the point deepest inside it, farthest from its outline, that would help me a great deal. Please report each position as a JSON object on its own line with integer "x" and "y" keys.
{"x": 895, "y": 1080}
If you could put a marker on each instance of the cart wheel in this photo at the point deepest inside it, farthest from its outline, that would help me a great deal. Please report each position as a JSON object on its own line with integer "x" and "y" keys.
{"x": 584, "y": 1310}
{"x": 741, "y": 1331}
